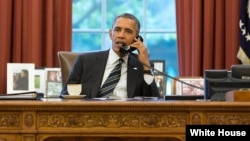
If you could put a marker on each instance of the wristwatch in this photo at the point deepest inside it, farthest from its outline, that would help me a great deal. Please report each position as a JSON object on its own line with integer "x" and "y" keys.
{"x": 150, "y": 72}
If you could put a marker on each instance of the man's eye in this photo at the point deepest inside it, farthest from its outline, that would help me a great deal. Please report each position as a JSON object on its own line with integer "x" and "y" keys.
{"x": 116, "y": 29}
{"x": 129, "y": 31}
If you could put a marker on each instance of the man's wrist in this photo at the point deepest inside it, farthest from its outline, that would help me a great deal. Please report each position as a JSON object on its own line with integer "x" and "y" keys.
{"x": 149, "y": 72}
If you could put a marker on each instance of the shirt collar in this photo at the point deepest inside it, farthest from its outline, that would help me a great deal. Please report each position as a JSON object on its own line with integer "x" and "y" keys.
{"x": 113, "y": 57}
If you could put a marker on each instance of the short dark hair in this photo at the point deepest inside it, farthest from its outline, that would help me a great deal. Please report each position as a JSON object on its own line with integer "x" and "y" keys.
{"x": 129, "y": 16}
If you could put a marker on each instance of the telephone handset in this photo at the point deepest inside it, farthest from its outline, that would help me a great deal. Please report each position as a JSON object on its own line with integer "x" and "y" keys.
{"x": 127, "y": 49}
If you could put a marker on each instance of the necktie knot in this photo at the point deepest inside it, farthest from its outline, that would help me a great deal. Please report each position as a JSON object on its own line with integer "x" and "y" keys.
{"x": 121, "y": 61}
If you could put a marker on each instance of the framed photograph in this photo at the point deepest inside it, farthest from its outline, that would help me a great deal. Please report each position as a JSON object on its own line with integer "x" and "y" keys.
{"x": 40, "y": 80}
{"x": 20, "y": 77}
{"x": 53, "y": 82}
{"x": 160, "y": 79}
{"x": 190, "y": 86}
{"x": 159, "y": 66}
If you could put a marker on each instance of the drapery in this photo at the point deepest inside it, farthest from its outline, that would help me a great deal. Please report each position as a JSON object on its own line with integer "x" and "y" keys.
{"x": 207, "y": 34}
{"x": 32, "y": 31}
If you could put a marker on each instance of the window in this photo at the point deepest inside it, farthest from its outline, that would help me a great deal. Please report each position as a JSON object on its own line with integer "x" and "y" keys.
{"x": 93, "y": 18}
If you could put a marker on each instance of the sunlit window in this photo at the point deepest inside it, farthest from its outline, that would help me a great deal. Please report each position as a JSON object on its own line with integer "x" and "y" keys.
{"x": 92, "y": 20}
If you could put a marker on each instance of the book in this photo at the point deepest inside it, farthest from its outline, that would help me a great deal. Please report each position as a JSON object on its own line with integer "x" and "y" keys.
{"x": 20, "y": 96}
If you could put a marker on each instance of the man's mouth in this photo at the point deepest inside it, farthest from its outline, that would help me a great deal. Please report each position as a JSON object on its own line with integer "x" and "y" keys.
{"x": 120, "y": 43}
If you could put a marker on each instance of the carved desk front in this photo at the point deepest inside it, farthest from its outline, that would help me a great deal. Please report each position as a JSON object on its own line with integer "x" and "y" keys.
{"x": 114, "y": 120}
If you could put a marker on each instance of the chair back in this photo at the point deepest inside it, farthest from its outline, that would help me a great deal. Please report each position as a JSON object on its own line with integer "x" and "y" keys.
{"x": 66, "y": 61}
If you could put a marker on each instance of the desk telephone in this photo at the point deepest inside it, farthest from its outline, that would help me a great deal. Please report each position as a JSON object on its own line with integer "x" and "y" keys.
{"x": 127, "y": 49}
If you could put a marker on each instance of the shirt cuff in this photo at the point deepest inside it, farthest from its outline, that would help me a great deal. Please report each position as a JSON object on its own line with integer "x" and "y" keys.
{"x": 148, "y": 78}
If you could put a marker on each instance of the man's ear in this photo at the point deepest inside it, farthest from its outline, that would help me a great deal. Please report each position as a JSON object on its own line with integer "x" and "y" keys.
{"x": 110, "y": 34}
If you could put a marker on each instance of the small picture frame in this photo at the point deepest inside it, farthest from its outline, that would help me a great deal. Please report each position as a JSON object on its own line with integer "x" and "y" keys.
{"x": 20, "y": 77}
{"x": 53, "y": 82}
{"x": 160, "y": 79}
{"x": 194, "y": 89}
{"x": 40, "y": 80}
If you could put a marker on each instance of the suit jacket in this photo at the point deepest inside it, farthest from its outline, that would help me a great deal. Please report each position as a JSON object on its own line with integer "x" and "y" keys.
{"x": 88, "y": 70}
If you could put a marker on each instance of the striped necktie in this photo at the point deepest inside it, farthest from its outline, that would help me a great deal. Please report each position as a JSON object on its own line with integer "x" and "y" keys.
{"x": 111, "y": 81}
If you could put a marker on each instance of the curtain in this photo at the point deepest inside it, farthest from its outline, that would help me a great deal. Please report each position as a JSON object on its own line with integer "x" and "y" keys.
{"x": 33, "y": 31}
{"x": 207, "y": 35}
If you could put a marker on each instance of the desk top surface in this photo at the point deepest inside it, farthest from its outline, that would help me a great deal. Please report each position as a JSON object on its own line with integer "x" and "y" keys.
{"x": 158, "y": 102}
{"x": 83, "y": 105}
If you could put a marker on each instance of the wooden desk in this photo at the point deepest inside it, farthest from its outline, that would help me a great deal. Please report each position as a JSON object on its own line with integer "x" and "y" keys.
{"x": 80, "y": 120}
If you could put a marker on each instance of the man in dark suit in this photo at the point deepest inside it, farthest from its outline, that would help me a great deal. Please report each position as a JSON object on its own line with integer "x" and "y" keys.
{"x": 137, "y": 79}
